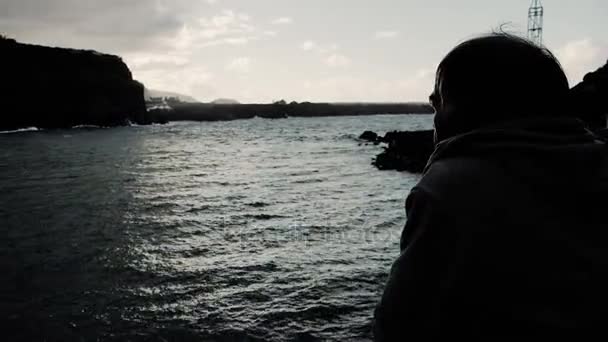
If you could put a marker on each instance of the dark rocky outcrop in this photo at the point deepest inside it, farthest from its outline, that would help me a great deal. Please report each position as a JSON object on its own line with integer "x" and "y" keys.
{"x": 49, "y": 87}
{"x": 406, "y": 151}
{"x": 369, "y": 136}
{"x": 589, "y": 99}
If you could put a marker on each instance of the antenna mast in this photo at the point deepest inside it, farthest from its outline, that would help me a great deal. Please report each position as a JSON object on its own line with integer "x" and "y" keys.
{"x": 535, "y": 22}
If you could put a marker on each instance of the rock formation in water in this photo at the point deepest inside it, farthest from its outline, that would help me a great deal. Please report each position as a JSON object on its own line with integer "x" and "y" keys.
{"x": 369, "y": 136}
{"x": 49, "y": 87}
{"x": 406, "y": 151}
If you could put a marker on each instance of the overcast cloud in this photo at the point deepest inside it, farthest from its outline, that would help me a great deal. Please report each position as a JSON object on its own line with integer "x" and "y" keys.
{"x": 263, "y": 50}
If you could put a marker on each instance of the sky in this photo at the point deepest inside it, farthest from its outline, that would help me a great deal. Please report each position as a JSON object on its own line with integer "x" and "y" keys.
{"x": 258, "y": 51}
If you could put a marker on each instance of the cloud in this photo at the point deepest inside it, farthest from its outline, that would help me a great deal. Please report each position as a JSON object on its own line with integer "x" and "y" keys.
{"x": 308, "y": 45}
{"x": 580, "y": 57}
{"x": 313, "y": 46}
{"x": 421, "y": 83}
{"x": 282, "y": 21}
{"x": 240, "y": 64}
{"x": 143, "y": 62}
{"x": 165, "y": 43}
{"x": 386, "y": 34}
{"x": 237, "y": 40}
{"x": 417, "y": 87}
{"x": 225, "y": 24}
{"x": 194, "y": 80}
{"x": 224, "y": 28}
{"x": 337, "y": 60}
{"x": 186, "y": 46}
{"x": 114, "y": 26}
{"x": 121, "y": 27}
{"x": 351, "y": 89}
{"x": 329, "y": 54}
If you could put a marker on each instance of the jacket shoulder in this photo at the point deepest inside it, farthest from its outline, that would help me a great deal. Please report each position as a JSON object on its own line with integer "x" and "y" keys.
{"x": 462, "y": 180}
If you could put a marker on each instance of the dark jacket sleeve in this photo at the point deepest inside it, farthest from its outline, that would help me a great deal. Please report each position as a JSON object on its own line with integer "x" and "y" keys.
{"x": 412, "y": 299}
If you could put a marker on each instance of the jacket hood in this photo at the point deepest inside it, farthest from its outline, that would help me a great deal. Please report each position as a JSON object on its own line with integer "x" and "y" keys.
{"x": 542, "y": 152}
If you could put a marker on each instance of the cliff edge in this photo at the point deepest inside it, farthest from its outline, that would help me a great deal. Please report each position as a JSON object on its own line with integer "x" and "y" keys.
{"x": 49, "y": 87}
{"x": 589, "y": 98}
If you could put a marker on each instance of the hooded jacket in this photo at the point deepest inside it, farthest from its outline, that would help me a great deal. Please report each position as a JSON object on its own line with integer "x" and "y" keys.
{"x": 506, "y": 236}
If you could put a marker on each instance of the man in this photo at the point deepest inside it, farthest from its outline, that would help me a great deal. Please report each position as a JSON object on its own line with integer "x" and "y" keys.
{"x": 507, "y": 232}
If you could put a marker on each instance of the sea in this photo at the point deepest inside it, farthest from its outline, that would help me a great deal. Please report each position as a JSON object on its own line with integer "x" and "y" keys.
{"x": 248, "y": 230}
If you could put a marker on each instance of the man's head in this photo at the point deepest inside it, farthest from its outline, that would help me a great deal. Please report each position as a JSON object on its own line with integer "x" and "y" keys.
{"x": 496, "y": 78}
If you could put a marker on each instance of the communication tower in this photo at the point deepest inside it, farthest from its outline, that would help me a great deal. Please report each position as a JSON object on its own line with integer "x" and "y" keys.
{"x": 535, "y": 22}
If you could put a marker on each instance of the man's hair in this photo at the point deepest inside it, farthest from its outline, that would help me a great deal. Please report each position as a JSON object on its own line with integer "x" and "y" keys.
{"x": 500, "y": 77}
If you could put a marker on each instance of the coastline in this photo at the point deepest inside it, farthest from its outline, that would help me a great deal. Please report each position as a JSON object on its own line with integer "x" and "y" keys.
{"x": 227, "y": 112}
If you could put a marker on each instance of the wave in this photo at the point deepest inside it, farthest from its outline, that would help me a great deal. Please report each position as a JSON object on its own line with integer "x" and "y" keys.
{"x": 21, "y": 130}
{"x": 263, "y": 217}
{"x": 310, "y": 181}
{"x": 258, "y": 204}
{"x": 199, "y": 209}
{"x": 88, "y": 127}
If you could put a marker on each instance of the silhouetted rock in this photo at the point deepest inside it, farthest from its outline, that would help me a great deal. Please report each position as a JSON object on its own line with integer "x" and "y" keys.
{"x": 589, "y": 98}
{"x": 406, "y": 151}
{"x": 59, "y": 88}
{"x": 369, "y": 136}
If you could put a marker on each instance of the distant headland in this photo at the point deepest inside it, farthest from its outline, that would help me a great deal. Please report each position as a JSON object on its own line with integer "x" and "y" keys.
{"x": 49, "y": 87}
{"x": 173, "y": 110}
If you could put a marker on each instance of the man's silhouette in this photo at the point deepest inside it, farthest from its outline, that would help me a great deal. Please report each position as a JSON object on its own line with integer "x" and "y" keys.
{"x": 507, "y": 232}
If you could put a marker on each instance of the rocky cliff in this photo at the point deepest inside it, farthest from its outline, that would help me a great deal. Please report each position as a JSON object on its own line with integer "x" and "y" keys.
{"x": 590, "y": 98}
{"x": 59, "y": 88}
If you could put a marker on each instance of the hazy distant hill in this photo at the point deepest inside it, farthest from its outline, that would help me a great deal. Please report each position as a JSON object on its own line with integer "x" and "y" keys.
{"x": 149, "y": 93}
{"x": 278, "y": 110}
{"x": 225, "y": 101}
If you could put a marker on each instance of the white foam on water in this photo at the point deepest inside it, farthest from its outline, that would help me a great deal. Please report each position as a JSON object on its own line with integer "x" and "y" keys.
{"x": 21, "y": 130}
{"x": 87, "y": 127}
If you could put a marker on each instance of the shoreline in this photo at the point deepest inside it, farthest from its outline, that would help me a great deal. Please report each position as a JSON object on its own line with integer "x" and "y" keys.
{"x": 34, "y": 129}
{"x": 226, "y": 112}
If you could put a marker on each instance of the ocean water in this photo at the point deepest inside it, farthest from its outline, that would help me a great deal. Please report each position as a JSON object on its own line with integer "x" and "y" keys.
{"x": 270, "y": 230}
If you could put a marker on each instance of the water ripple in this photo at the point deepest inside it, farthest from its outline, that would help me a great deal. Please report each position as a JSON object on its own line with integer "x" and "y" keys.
{"x": 253, "y": 230}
